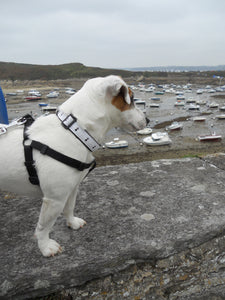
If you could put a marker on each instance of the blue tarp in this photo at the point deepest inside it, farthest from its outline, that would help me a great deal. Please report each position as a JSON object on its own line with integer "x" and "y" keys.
{"x": 3, "y": 109}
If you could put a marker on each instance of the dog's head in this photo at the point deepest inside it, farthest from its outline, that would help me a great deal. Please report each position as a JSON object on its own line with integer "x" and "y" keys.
{"x": 106, "y": 99}
{"x": 123, "y": 110}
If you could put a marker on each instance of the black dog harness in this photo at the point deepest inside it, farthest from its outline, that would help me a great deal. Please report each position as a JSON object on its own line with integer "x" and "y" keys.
{"x": 45, "y": 150}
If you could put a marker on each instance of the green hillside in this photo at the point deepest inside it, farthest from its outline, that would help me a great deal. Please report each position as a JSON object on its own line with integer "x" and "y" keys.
{"x": 16, "y": 71}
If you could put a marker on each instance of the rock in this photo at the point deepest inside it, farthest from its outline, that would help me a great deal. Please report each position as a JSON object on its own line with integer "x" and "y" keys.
{"x": 154, "y": 229}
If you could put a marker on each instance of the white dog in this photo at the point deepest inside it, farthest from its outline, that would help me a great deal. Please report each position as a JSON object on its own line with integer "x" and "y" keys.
{"x": 101, "y": 104}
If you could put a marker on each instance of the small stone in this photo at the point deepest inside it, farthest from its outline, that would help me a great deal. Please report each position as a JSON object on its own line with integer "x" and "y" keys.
{"x": 147, "y": 217}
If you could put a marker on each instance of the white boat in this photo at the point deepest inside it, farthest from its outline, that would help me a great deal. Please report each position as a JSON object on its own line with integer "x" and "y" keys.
{"x": 48, "y": 108}
{"x": 179, "y": 103}
{"x": 70, "y": 91}
{"x": 199, "y": 119}
{"x": 213, "y": 105}
{"x": 154, "y": 105}
{"x": 222, "y": 108}
{"x": 211, "y": 91}
{"x": 158, "y": 139}
{"x": 34, "y": 93}
{"x": 199, "y": 91}
{"x": 210, "y": 138}
{"x": 180, "y": 97}
{"x": 117, "y": 143}
{"x": 175, "y": 126}
{"x": 190, "y": 100}
{"x": 193, "y": 107}
{"x": 53, "y": 94}
{"x": 201, "y": 102}
{"x": 221, "y": 117}
{"x": 146, "y": 130}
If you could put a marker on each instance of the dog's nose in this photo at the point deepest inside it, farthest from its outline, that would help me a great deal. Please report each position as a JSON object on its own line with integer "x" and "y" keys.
{"x": 147, "y": 120}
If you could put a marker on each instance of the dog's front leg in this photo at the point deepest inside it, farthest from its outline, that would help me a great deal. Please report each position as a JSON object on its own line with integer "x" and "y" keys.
{"x": 50, "y": 210}
{"x": 72, "y": 222}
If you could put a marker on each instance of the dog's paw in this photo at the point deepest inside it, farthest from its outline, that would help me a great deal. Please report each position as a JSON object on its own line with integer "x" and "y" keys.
{"x": 49, "y": 247}
{"x": 76, "y": 223}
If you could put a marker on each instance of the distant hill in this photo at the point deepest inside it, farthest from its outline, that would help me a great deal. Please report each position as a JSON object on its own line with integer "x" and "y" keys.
{"x": 17, "y": 71}
{"x": 179, "y": 68}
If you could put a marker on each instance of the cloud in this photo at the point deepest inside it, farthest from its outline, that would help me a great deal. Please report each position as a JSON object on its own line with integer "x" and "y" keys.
{"x": 113, "y": 33}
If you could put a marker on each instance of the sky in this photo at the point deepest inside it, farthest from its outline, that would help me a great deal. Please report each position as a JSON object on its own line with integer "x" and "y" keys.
{"x": 113, "y": 33}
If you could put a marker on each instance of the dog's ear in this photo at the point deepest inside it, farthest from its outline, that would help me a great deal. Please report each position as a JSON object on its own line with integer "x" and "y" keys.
{"x": 124, "y": 93}
{"x": 115, "y": 86}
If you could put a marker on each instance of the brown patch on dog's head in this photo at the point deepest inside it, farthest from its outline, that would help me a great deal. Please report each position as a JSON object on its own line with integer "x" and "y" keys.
{"x": 119, "y": 101}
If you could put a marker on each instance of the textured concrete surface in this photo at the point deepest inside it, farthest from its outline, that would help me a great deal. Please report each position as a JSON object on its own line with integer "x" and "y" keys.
{"x": 136, "y": 213}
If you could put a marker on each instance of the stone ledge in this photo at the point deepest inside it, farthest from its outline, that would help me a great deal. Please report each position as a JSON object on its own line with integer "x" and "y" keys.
{"x": 136, "y": 213}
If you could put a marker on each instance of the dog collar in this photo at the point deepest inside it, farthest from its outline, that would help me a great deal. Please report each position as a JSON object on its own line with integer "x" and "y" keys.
{"x": 70, "y": 122}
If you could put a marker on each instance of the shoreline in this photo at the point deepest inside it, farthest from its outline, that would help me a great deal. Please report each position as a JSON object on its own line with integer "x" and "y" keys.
{"x": 183, "y": 142}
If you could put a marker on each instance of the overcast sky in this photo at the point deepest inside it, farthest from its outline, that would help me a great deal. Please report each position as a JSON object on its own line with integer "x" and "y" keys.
{"x": 113, "y": 33}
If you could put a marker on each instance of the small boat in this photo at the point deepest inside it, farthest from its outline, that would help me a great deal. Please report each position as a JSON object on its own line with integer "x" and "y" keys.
{"x": 175, "y": 126}
{"x": 190, "y": 100}
{"x": 220, "y": 117}
{"x": 201, "y": 102}
{"x": 210, "y": 138}
{"x": 117, "y": 143}
{"x": 213, "y": 105}
{"x": 158, "y": 139}
{"x": 193, "y": 107}
{"x": 43, "y": 104}
{"x": 199, "y": 91}
{"x": 155, "y": 98}
{"x": 33, "y": 98}
{"x": 222, "y": 108}
{"x": 179, "y": 93}
{"x": 199, "y": 119}
{"x": 146, "y": 130}
{"x": 49, "y": 109}
{"x": 159, "y": 93}
{"x": 180, "y": 97}
{"x": 70, "y": 91}
{"x": 53, "y": 94}
{"x": 11, "y": 94}
{"x": 34, "y": 93}
{"x": 154, "y": 105}
{"x": 179, "y": 103}
{"x": 140, "y": 102}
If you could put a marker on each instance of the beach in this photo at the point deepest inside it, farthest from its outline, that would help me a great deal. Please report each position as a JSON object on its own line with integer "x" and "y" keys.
{"x": 184, "y": 142}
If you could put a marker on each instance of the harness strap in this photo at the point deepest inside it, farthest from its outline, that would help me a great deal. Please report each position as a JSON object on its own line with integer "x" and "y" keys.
{"x": 28, "y": 153}
{"x": 45, "y": 150}
{"x": 72, "y": 162}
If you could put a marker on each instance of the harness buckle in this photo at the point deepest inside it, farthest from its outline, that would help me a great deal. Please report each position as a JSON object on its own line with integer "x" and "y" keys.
{"x": 44, "y": 149}
{"x": 69, "y": 121}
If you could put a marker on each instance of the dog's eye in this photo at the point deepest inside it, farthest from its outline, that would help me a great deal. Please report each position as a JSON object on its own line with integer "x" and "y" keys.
{"x": 132, "y": 98}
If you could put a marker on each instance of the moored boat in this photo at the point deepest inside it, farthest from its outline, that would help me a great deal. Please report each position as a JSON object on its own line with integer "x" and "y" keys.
{"x": 220, "y": 117}
{"x": 158, "y": 139}
{"x": 33, "y": 98}
{"x": 199, "y": 119}
{"x": 146, "y": 130}
{"x": 117, "y": 143}
{"x": 210, "y": 138}
{"x": 175, "y": 126}
{"x": 49, "y": 109}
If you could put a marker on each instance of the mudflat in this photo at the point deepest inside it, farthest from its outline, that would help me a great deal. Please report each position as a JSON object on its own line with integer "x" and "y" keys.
{"x": 184, "y": 142}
